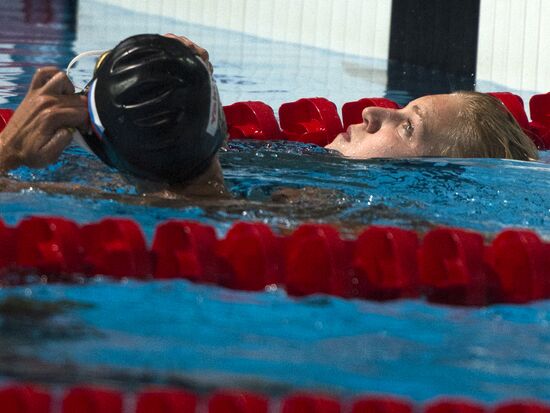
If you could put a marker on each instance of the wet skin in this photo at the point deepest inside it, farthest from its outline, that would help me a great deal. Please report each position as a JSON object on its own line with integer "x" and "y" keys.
{"x": 418, "y": 129}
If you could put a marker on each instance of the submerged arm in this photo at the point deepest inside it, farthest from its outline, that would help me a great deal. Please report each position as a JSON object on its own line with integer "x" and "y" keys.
{"x": 207, "y": 187}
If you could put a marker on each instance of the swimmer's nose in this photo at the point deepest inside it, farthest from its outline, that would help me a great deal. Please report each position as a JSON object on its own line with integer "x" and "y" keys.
{"x": 374, "y": 117}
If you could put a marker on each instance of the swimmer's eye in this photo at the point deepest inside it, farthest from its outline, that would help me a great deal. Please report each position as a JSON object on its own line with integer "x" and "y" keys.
{"x": 408, "y": 128}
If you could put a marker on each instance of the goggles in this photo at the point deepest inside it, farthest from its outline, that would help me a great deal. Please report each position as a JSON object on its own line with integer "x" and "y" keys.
{"x": 88, "y": 89}
{"x": 101, "y": 55}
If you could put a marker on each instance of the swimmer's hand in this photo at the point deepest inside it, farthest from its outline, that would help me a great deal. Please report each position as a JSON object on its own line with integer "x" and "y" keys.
{"x": 41, "y": 127}
{"x": 201, "y": 52}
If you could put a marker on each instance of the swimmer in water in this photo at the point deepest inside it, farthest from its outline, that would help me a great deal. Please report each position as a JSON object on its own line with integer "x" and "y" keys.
{"x": 156, "y": 116}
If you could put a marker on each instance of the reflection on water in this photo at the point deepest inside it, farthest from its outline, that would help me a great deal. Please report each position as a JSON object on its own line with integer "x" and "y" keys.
{"x": 482, "y": 194}
{"x": 131, "y": 333}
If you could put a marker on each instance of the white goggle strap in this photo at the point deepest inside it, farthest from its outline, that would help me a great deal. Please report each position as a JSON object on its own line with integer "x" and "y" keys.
{"x": 97, "y": 126}
{"x": 213, "y": 121}
{"x": 75, "y": 61}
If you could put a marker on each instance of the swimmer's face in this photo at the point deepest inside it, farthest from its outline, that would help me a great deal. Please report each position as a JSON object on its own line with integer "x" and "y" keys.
{"x": 418, "y": 129}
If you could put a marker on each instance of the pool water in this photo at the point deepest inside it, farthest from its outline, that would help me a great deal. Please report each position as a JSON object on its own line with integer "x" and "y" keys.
{"x": 130, "y": 333}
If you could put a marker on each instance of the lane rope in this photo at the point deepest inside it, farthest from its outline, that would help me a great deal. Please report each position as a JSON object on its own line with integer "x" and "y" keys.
{"x": 447, "y": 265}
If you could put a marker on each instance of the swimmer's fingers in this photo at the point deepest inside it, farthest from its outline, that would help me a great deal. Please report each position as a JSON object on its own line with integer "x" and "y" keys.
{"x": 47, "y": 105}
{"x": 72, "y": 101}
{"x": 52, "y": 120}
{"x": 42, "y": 76}
{"x": 201, "y": 51}
{"x": 210, "y": 67}
{"x": 39, "y": 129}
{"x": 59, "y": 84}
{"x": 51, "y": 151}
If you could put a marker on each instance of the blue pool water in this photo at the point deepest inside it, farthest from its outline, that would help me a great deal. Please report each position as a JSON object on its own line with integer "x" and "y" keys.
{"x": 201, "y": 336}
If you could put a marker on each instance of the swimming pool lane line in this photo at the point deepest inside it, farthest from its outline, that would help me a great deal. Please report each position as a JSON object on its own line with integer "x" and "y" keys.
{"x": 316, "y": 120}
{"x": 25, "y": 398}
{"x": 446, "y": 265}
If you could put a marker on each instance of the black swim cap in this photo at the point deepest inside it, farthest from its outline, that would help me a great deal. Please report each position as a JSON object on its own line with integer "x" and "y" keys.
{"x": 155, "y": 110}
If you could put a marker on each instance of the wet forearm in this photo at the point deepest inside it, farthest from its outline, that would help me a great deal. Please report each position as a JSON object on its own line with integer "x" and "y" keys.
{"x": 8, "y": 157}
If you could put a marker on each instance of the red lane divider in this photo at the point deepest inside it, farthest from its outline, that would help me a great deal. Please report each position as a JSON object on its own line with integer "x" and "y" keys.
{"x": 539, "y": 128}
{"x": 515, "y": 105}
{"x": 24, "y": 399}
{"x": 318, "y": 261}
{"x": 166, "y": 401}
{"x": 316, "y": 120}
{"x": 374, "y": 404}
{"x": 527, "y": 406}
{"x": 5, "y": 116}
{"x": 313, "y": 120}
{"x": 115, "y": 247}
{"x": 251, "y": 256}
{"x": 7, "y": 247}
{"x": 49, "y": 245}
{"x": 310, "y": 403}
{"x": 523, "y": 275}
{"x": 251, "y": 120}
{"x": 449, "y": 265}
{"x": 539, "y": 105}
{"x": 455, "y": 406}
{"x": 92, "y": 400}
{"x": 183, "y": 249}
{"x": 237, "y": 402}
{"x": 385, "y": 264}
{"x": 20, "y": 398}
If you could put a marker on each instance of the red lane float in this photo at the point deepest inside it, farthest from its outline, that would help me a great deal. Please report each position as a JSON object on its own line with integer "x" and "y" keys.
{"x": 316, "y": 120}
{"x": 318, "y": 261}
{"x": 20, "y": 398}
{"x": 7, "y": 247}
{"x": 539, "y": 106}
{"x": 92, "y": 400}
{"x": 166, "y": 401}
{"x": 373, "y": 404}
{"x": 313, "y": 120}
{"x": 515, "y": 106}
{"x": 523, "y": 275}
{"x": 539, "y": 128}
{"x": 449, "y": 265}
{"x": 455, "y": 406}
{"x": 49, "y": 245}
{"x": 115, "y": 247}
{"x": 24, "y": 399}
{"x": 310, "y": 403}
{"x": 183, "y": 249}
{"x": 237, "y": 402}
{"x": 526, "y": 406}
{"x": 251, "y": 257}
{"x": 385, "y": 264}
{"x": 251, "y": 120}
{"x": 5, "y": 116}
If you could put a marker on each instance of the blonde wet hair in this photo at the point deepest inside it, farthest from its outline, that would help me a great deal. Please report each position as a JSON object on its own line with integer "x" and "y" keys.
{"x": 484, "y": 128}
